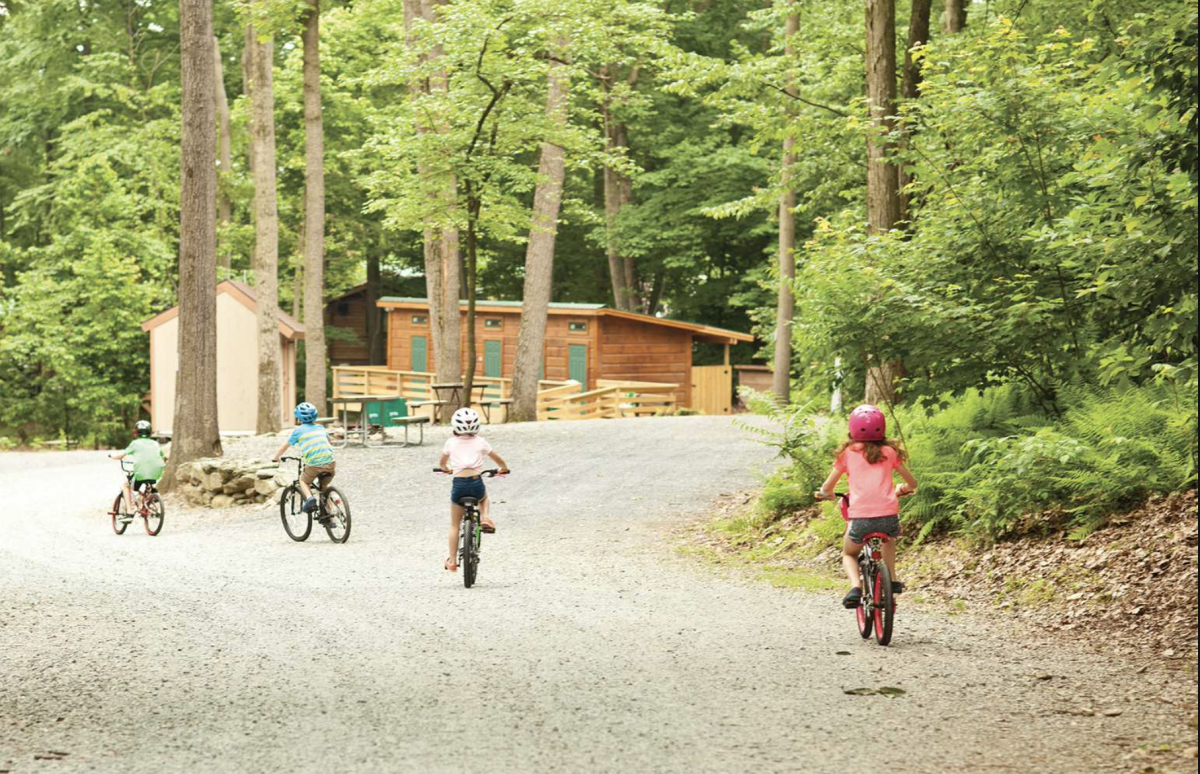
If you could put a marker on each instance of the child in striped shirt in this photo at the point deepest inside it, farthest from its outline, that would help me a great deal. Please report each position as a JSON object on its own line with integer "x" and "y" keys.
{"x": 313, "y": 443}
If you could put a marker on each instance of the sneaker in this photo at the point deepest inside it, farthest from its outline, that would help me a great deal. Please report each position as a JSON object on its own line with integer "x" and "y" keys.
{"x": 897, "y": 587}
{"x": 310, "y": 505}
{"x": 852, "y": 599}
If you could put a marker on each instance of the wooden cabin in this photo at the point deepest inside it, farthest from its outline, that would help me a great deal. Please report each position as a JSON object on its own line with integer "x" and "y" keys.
{"x": 237, "y": 362}
{"x": 584, "y": 342}
{"x": 349, "y": 327}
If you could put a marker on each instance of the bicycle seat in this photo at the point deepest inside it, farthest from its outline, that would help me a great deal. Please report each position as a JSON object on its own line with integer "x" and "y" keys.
{"x": 468, "y": 502}
{"x": 873, "y": 535}
{"x": 324, "y": 479}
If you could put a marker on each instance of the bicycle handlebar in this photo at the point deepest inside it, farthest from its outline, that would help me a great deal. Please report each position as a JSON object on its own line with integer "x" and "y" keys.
{"x": 492, "y": 473}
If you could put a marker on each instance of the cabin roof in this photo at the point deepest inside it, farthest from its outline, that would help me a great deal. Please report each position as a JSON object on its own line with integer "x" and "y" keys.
{"x": 289, "y": 326}
{"x": 702, "y": 332}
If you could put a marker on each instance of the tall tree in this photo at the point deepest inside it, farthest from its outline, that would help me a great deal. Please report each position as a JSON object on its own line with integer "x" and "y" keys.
{"x": 539, "y": 254}
{"x": 314, "y": 214}
{"x": 224, "y": 144}
{"x": 618, "y": 188}
{"x": 956, "y": 16}
{"x": 910, "y": 82}
{"x": 781, "y": 382}
{"x": 195, "y": 432}
{"x": 266, "y": 232}
{"x": 883, "y": 180}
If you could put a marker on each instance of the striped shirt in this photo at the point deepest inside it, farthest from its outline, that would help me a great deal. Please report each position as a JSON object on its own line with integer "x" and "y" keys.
{"x": 313, "y": 443}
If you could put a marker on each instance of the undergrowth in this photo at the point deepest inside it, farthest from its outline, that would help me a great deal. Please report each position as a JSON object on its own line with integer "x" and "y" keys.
{"x": 991, "y": 464}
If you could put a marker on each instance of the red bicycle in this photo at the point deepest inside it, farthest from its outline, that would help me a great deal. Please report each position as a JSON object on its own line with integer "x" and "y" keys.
{"x": 877, "y": 610}
{"x": 146, "y": 503}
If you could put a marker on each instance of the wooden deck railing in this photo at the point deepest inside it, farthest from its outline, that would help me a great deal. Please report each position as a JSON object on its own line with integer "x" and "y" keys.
{"x": 556, "y": 400}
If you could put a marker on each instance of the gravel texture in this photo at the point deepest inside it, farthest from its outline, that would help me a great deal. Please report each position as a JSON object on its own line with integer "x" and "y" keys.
{"x": 588, "y": 644}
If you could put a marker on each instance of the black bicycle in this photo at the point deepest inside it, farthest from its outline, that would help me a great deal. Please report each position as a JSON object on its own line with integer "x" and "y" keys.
{"x": 470, "y": 533}
{"x": 332, "y": 512}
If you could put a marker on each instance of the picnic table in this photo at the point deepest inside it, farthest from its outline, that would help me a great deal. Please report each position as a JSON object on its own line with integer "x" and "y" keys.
{"x": 487, "y": 405}
{"x": 376, "y": 411}
{"x": 445, "y": 394}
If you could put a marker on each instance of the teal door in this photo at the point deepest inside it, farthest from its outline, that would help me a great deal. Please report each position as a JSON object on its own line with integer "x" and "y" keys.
{"x": 420, "y": 354}
{"x": 493, "y": 358}
{"x": 577, "y": 364}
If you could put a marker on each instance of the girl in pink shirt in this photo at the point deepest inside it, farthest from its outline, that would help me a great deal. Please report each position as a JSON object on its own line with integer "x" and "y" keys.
{"x": 463, "y": 456}
{"x": 869, "y": 459}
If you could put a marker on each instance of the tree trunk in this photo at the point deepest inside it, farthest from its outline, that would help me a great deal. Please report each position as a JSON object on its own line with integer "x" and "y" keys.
{"x": 910, "y": 84}
{"x": 314, "y": 215}
{"x": 883, "y": 201}
{"x": 195, "y": 431}
{"x": 472, "y": 275}
{"x": 539, "y": 255}
{"x": 883, "y": 194}
{"x": 248, "y": 46}
{"x": 618, "y": 192}
{"x": 956, "y": 16}
{"x": 266, "y": 237}
{"x": 781, "y": 381}
{"x": 376, "y": 319}
{"x": 442, "y": 260}
{"x": 224, "y": 149}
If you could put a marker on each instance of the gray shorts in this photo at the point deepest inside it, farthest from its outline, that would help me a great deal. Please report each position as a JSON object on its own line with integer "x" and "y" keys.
{"x": 859, "y": 528}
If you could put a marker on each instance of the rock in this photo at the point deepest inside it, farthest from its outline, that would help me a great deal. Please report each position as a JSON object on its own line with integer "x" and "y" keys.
{"x": 265, "y": 487}
{"x": 282, "y": 479}
{"x": 208, "y": 464}
{"x": 222, "y": 501}
{"x": 213, "y": 481}
{"x": 242, "y": 483}
{"x": 266, "y": 472}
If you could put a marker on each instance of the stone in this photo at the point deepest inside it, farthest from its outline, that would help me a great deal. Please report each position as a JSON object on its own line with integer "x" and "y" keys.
{"x": 213, "y": 481}
{"x": 282, "y": 479}
{"x": 222, "y": 501}
{"x": 242, "y": 483}
{"x": 207, "y": 464}
{"x": 266, "y": 472}
{"x": 265, "y": 487}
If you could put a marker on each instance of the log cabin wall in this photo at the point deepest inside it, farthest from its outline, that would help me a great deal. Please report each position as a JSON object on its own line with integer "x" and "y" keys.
{"x": 350, "y": 313}
{"x": 646, "y": 353}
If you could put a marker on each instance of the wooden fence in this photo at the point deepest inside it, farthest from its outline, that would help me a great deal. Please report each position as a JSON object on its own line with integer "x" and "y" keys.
{"x": 556, "y": 400}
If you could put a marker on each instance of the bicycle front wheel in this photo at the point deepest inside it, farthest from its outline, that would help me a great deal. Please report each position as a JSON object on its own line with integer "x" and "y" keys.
{"x": 296, "y": 523}
{"x": 119, "y": 522}
{"x": 884, "y": 608}
{"x": 337, "y": 513}
{"x": 154, "y": 515}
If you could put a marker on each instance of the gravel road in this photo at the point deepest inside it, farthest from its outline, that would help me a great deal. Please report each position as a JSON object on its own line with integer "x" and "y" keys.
{"x": 588, "y": 644}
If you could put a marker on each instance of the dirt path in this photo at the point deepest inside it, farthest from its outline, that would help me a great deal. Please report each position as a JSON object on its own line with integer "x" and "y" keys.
{"x": 587, "y": 646}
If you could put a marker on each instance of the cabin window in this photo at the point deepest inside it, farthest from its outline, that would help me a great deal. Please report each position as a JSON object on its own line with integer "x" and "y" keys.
{"x": 420, "y": 319}
{"x": 343, "y": 308}
{"x": 577, "y": 327}
{"x": 493, "y": 323}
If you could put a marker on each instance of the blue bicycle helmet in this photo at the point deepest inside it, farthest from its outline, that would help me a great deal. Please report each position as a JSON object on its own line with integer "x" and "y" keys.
{"x": 306, "y": 413}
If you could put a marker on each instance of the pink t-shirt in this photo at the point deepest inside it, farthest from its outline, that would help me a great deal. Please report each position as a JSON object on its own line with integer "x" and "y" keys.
{"x": 872, "y": 490}
{"x": 467, "y": 452}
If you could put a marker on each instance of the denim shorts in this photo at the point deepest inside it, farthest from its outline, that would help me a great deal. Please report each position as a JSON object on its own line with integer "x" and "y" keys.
{"x": 467, "y": 487}
{"x": 860, "y": 528}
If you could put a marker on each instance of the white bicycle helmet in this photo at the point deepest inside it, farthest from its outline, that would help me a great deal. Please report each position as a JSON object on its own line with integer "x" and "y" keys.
{"x": 465, "y": 421}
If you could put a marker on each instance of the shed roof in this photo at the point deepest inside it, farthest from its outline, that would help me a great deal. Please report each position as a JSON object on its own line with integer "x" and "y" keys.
{"x": 702, "y": 332}
{"x": 289, "y": 326}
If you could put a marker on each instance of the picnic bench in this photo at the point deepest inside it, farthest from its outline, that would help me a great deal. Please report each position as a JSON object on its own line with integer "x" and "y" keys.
{"x": 377, "y": 412}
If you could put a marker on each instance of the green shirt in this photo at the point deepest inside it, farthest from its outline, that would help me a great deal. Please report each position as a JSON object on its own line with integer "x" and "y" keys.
{"x": 147, "y": 459}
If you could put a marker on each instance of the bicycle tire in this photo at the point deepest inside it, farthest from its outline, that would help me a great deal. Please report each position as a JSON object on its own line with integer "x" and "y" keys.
{"x": 156, "y": 511}
{"x": 884, "y": 607}
{"x": 290, "y": 508}
{"x": 470, "y": 555}
{"x": 118, "y": 525}
{"x": 337, "y": 525}
{"x": 862, "y": 614}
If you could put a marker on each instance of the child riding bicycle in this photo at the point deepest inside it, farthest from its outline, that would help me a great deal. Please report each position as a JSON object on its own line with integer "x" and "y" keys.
{"x": 312, "y": 441}
{"x": 148, "y": 461}
{"x": 463, "y": 457}
{"x": 868, "y": 459}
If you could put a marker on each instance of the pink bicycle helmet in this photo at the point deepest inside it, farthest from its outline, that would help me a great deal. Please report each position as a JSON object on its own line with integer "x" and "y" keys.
{"x": 867, "y": 423}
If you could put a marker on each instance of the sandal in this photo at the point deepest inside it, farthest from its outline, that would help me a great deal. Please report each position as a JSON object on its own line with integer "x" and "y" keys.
{"x": 487, "y": 525}
{"x": 451, "y": 567}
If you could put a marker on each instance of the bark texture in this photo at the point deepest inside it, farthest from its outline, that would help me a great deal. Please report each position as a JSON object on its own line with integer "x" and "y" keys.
{"x": 376, "y": 317}
{"x": 539, "y": 254}
{"x": 195, "y": 433}
{"x": 781, "y": 381}
{"x": 314, "y": 215}
{"x": 224, "y": 149}
{"x": 910, "y": 83}
{"x": 618, "y": 192}
{"x": 883, "y": 201}
{"x": 956, "y": 15}
{"x": 266, "y": 236}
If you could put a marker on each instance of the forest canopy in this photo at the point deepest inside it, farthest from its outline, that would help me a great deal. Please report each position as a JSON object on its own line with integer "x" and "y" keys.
{"x": 1046, "y": 151}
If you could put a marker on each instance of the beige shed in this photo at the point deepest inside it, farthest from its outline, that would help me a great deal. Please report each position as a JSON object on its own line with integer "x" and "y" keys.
{"x": 237, "y": 362}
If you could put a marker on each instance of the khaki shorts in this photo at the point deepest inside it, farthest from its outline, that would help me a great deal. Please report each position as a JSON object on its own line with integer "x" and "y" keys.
{"x": 310, "y": 472}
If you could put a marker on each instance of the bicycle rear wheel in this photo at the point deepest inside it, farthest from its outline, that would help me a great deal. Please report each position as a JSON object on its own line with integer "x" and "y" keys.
{"x": 154, "y": 515}
{"x": 865, "y": 620}
{"x": 470, "y": 549}
{"x": 337, "y": 511}
{"x": 119, "y": 523}
{"x": 884, "y": 608}
{"x": 296, "y": 523}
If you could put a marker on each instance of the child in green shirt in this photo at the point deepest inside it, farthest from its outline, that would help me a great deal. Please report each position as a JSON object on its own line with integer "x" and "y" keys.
{"x": 148, "y": 461}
